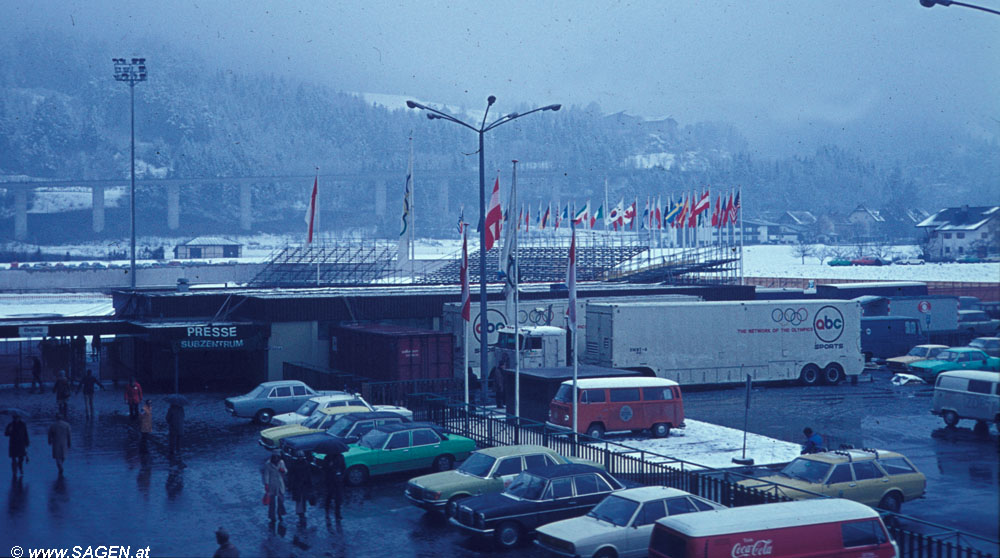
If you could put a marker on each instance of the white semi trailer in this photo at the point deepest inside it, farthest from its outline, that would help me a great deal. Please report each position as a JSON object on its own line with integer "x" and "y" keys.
{"x": 815, "y": 341}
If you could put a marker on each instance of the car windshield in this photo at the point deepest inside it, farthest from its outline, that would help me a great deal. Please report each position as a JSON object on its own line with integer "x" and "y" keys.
{"x": 806, "y": 470}
{"x": 374, "y": 439}
{"x": 307, "y": 408}
{"x": 341, "y": 427}
{"x": 917, "y": 352}
{"x": 314, "y": 421}
{"x": 565, "y": 393}
{"x": 527, "y": 486}
{"x": 950, "y": 356}
{"x": 477, "y": 465}
{"x": 615, "y": 510}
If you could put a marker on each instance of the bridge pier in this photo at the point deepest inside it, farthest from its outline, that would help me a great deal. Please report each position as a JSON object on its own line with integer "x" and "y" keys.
{"x": 97, "y": 208}
{"x": 20, "y": 214}
{"x": 173, "y": 207}
{"x": 246, "y": 209}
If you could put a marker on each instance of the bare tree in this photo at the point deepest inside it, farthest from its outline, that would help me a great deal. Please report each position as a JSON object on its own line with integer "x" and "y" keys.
{"x": 803, "y": 249}
{"x": 823, "y": 254}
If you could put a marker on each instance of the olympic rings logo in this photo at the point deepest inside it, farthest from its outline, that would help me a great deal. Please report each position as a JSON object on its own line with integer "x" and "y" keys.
{"x": 790, "y": 316}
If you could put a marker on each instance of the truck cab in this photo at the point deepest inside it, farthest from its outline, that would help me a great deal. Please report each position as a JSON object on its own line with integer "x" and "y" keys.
{"x": 541, "y": 347}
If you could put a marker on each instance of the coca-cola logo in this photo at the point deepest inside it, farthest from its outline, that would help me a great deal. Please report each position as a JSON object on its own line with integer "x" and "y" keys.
{"x": 750, "y": 547}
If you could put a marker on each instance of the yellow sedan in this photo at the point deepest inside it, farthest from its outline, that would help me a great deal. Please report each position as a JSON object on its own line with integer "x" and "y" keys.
{"x": 318, "y": 422}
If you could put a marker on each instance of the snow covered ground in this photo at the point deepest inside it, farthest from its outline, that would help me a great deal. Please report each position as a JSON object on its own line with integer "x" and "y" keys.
{"x": 13, "y": 306}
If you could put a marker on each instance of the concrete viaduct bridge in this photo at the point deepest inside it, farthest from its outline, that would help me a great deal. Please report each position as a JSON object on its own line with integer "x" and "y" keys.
{"x": 437, "y": 185}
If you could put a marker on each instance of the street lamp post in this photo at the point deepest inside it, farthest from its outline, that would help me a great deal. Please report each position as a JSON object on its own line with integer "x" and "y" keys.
{"x": 131, "y": 72}
{"x": 435, "y": 114}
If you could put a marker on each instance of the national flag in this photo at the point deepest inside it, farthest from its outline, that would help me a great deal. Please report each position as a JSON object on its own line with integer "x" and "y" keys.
{"x": 494, "y": 216}
{"x": 670, "y": 212}
{"x": 703, "y": 202}
{"x": 311, "y": 216}
{"x": 406, "y": 228}
{"x": 716, "y": 213}
{"x": 658, "y": 215}
{"x": 734, "y": 209}
{"x": 615, "y": 214}
{"x": 598, "y": 215}
{"x": 463, "y": 274}
{"x": 571, "y": 281}
{"x": 507, "y": 264}
{"x": 727, "y": 210}
{"x": 629, "y": 216}
{"x": 582, "y": 214}
{"x": 461, "y": 220}
{"x": 545, "y": 217}
{"x": 680, "y": 219}
{"x": 527, "y": 218}
{"x": 644, "y": 221}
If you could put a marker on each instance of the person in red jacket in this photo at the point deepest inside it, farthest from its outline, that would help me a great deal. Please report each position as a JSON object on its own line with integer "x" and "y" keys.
{"x": 133, "y": 396}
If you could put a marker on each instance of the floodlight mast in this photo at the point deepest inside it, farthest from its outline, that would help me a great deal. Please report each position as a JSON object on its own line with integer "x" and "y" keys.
{"x": 131, "y": 72}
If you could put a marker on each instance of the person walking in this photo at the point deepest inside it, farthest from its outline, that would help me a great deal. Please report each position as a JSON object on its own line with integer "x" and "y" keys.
{"x": 334, "y": 469}
{"x": 273, "y": 474}
{"x": 62, "y": 390}
{"x": 36, "y": 375}
{"x": 87, "y": 387}
{"x": 813, "y": 443}
{"x": 17, "y": 447}
{"x": 175, "y": 424}
{"x": 95, "y": 346}
{"x": 226, "y": 548}
{"x": 145, "y": 426}
{"x": 300, "y": 483}
{"x": 60, "y": 440}
{"x": 133, "y": 397}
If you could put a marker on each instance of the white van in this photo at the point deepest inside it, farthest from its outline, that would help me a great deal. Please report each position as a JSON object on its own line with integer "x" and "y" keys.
{"x": 967, "y": 394}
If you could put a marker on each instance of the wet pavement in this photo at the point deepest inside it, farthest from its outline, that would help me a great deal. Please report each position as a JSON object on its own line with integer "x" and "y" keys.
{"x": 113, "y": 495}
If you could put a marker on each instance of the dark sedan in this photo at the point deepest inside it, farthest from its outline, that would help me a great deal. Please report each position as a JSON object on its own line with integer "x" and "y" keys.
{"x": 348, "y": 429}
{"x": 534, "y": 498}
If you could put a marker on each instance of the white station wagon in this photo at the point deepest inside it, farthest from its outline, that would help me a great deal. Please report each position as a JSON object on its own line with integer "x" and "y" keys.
{"x": 621, "y": 524}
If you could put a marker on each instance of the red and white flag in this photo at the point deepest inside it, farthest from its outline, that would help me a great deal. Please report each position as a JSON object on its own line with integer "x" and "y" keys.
{"x": 464, "y": 275}
{"x": 494, "y": 216}
{"x": 311, "y": 212}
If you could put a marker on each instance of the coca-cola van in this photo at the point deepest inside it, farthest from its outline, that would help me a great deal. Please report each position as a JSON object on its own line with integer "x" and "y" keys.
{"x": 617, "y": 404}
{"x": 813, "y": 528}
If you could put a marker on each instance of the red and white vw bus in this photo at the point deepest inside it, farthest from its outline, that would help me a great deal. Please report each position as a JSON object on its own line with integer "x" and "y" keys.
{"x": 814, "y": 528}
{"x": 616, "y": 404}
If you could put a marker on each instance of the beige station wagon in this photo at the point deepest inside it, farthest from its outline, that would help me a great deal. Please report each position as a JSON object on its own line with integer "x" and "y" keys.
{"x": 878, "y": 478}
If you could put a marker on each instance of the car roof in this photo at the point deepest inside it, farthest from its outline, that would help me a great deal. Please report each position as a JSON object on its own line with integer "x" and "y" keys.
{"x": 277, "y": 383}
{"x": 767, "y": 516}
{"x": 626, "y": 382}
{"x": 986, "y": 339}
{"x": 647, "y": 493}
{"x": 335, "y": 396}
{"x": 343, "y": 410}
{"x": 369, "y": 415}
{"x": 504, "y": 451}
{"x": 965, "y": 349}
{"x": 564, "y": 470}
{"x": 401, "y": 426}
{"x": 846, "y": 456}
{"x": 931, "y": 346}
{"x": 972, "y": 375}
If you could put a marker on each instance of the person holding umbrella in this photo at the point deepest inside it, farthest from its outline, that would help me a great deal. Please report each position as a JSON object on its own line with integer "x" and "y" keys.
{"x": 17, "y": 447}
{"x": 334, "y": 469}
{"x": 300, "y": 483}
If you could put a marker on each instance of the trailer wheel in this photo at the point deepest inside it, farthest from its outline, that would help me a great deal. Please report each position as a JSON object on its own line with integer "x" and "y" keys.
{"x": 661, "y": 430}
{"x": 833, "y": 374}
{"x": 809, "y": 375}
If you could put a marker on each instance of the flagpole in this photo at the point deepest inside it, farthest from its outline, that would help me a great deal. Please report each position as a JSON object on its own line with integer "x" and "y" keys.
{"x": 739, "y": 196}
{"x": 465, "y": 360}
{"x": 413, "y": 216}
{"x": 606, "y": 211}
{"x": 517, "y": 328}
{"x": 572, "y": 326}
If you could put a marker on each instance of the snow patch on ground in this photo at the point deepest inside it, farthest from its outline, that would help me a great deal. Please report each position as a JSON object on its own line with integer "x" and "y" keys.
{"x": 13, "y": 306}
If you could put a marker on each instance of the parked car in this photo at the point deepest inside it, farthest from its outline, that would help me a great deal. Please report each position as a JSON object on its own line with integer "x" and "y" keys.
{"x": 620, "y": 404}
{"x": 839, "y": 262}
{"x": 621, "y": 524}
{"x": 394, "y": 448}
{"x": 910, "y": 261}
{"x": 989, "y": 345}
{"x": 956, "y": 358}
{"x": 969, "y": 259}
{"x": 347, "y": 429}
{"x": 270, "y": 398}
{"x": 869, "y": 261}
{"x": 916, "y": 354}
{"x": 976, "y": 323}
{"x": 485, "y": 471}
{"x": 270, "y": 438}
{"x": 873, "y": 477}
{"x": 338, "y": 399}
{"x": 533, "y": 499}
{"x": 967, "y": 394}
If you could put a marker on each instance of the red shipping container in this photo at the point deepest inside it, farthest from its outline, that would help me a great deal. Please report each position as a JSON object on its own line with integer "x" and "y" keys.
{"x": 391, "y": 353}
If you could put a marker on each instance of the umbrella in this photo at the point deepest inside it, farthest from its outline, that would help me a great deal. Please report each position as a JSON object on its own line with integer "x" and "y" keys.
{"x": 327, "y": 447}
{"x": 15, "y": 411}
{"x": 177, "y": 399}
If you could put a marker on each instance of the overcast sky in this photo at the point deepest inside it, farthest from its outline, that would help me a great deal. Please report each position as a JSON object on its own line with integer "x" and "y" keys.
{"x": 759, "y": 63}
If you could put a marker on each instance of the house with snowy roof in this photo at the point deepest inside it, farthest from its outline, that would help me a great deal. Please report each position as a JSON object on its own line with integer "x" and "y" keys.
{"x": 208, "y": 247}
{"x": 962, "y": 231}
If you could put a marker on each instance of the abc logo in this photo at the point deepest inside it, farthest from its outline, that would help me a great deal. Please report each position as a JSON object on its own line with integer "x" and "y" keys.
{"x": 829, "y": 324}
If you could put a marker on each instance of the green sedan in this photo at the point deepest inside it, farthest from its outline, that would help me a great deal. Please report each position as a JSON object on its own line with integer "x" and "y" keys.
{"x": 956, "y": 358}
{"x": 395, "y": 448}
{"x": 486, "y": 471}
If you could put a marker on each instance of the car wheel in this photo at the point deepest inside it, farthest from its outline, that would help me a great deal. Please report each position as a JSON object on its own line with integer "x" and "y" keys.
{"x": 508, "y": 534}
{"x": 950, "y": 418}
{"x": 452, "y": 506}
{"x": 661, "y": 430}
{"x": 357, "y": 475}
{"x": 596, "y": 430}
{"x": 263, "y": 416}
{"x": 606, "y": 553}
{"x": 833, "y": 374}
{"x": 891, "y": 502}
{"x": 443, "y": 463}
{"x": 809, "y": 375}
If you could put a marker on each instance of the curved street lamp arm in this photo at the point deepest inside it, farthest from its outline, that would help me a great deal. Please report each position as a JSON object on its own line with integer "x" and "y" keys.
{"x": 514, "y": 116}
{"x": 437, "y": 114}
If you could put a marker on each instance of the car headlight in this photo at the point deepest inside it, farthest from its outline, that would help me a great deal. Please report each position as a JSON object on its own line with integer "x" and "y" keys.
{"x": 480, "y": 520}
{"x": 433, "y": 495}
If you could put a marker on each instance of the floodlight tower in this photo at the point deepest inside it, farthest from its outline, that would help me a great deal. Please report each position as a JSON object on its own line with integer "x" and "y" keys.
{"x": 131, "y": 72}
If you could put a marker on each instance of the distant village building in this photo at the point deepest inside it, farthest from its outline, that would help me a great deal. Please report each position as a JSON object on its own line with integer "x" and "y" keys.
{"x": 962, "y": 231}
{"x": 208, "y": 247}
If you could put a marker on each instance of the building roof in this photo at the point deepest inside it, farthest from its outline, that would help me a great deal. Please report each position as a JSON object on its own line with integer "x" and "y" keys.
{"x": 211, "y": 241}
{"x": 801, "y": 217}
{"x": 875, "y": 215}
{"x": 963, "y": 218}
